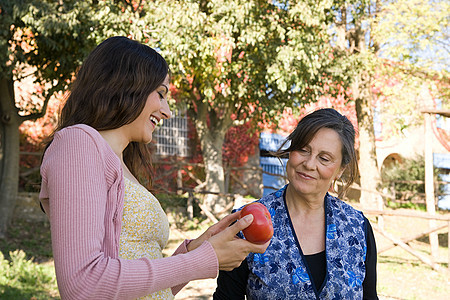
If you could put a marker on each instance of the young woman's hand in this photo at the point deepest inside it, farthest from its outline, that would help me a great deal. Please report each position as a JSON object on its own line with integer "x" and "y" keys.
{"x": 230, "y": 249}
{"x": 213, "y": 230}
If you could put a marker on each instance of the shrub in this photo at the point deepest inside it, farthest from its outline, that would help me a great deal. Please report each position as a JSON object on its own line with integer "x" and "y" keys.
{"x": 406, "y": 181}
{"x": 21, "y": 278}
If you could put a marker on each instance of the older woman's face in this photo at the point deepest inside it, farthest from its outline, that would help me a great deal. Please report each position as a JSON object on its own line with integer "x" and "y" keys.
{"x": 312, "y": 169}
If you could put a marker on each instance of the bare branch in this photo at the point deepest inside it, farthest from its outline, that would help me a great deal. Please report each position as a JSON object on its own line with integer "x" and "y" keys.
{"x": 37, "y": 115}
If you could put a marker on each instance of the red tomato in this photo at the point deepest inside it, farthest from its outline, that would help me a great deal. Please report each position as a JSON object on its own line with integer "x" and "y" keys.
{"x": 261, "y": 229}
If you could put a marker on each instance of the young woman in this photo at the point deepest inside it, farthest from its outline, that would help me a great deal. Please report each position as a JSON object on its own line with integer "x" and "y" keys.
{"x": 108, "y": 231}
{"x": 322, "y": 248}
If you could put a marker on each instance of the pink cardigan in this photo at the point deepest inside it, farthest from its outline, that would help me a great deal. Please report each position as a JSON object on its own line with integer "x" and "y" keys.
{"x": 83, "y": 192}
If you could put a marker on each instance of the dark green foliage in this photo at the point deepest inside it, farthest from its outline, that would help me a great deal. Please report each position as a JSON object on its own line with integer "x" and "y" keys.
{"x": 55, "y": 36}
{"x": 405, "y": 180}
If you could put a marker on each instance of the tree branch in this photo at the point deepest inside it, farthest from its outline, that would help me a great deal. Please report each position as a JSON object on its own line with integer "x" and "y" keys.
{"x": 37, "y": 115}
{"x": 420, "y": 73}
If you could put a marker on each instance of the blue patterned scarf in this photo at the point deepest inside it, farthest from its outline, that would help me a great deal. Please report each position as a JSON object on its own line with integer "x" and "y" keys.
{"x": 281, "y": 272}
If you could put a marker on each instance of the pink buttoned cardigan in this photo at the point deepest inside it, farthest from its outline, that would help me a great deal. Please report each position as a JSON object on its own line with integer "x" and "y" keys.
{"x": 82, "y": 193}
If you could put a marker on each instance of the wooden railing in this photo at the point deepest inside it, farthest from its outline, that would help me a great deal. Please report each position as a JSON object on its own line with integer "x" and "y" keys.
{"x": 403, "y": 242}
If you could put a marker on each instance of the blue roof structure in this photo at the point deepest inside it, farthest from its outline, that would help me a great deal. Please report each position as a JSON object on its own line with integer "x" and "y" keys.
{"x": 270, "y": 164}
{"x": 442, "y": 162}
{"x": 270, "y": 141}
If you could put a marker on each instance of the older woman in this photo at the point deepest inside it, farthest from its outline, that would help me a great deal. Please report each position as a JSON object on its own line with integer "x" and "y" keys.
{"x": 322, "y": 248}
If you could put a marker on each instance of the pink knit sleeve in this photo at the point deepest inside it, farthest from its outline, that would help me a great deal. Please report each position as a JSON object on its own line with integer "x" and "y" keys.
{"x": 74, "y": 175}
{"x": 181, "y": 249}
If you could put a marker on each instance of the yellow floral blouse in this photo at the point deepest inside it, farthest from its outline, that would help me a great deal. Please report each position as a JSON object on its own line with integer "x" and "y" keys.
{"x": 145, "y": 229}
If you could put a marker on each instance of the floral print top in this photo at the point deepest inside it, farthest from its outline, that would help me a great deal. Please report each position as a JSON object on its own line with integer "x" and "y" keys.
{"x": 145, "y": 229}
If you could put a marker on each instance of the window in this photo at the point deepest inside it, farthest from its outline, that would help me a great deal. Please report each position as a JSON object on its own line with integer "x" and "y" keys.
{"x": 172, "y": 137}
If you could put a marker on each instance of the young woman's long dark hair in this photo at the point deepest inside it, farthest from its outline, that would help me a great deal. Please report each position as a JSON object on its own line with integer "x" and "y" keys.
{"x": 307, "y": 128}
{"x": 111, "y": 89}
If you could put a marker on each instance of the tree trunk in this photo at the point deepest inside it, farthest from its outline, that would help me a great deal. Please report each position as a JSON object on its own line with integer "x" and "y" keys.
{"x": 215, "y": 179}
{"x": 369, "y": 173}
{"x": 211, "y": 134}
{"x": 9, "y": 157}
{"x": 361, "y": 89}
{"x": 251, "y": 179}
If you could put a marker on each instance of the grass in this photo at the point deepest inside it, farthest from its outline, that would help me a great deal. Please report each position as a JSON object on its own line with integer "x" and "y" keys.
{"x": 33, "y": 238}
{"x": 400, "y": 278}
{"x": 402, "y": 275}
{"x": 26, "y": 265}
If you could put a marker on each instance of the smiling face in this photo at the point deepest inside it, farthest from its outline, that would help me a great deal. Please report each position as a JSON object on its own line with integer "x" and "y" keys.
{"x": 312, "y": 169}
{"x": 155, "y": 109}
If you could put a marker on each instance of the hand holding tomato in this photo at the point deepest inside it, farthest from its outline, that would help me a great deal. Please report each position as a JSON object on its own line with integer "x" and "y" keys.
{"x": 260, "y": 230}
{"x": 230, "y": 250}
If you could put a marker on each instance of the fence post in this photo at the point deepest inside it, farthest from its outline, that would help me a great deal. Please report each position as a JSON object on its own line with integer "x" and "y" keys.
{"x": 190, "y": 206}
{"x": 227, "y": 172}
{"x": 179, "y": 180}
{"x": 429, "y": 184}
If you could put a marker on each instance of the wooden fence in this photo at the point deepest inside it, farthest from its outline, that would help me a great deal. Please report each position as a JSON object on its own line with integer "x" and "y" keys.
{"x": 412, "y": 197}
{"x": 403, "y": 242}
